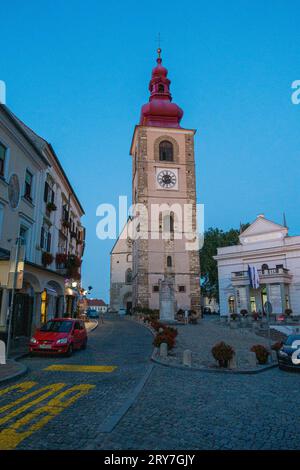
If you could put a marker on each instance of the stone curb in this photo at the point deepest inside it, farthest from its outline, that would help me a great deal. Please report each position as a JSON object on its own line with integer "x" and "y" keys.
{"x": 210, "y": 370}
{"x": 94, "y": 327}
{"x": 203, "y": 369}
{"x": 23, "y": 370}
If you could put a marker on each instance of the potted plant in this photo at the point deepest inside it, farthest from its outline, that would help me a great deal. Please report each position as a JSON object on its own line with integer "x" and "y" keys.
{"x": 65, "y": 223}
{"x": 255, "y": 316}
{"x": 73, "y": 261}
{"x": 164, "y": 338}
{"x": 47, "y": 258}
{"x": 261, "y": 352}
{"x": 61, "y": 259}
{"x": 288, "y": 313}
{"x": 223, "y": 353}
{"x": 244, "y": 316}
{"x": 51, "y": 206}
{"x": 233, "y": 320}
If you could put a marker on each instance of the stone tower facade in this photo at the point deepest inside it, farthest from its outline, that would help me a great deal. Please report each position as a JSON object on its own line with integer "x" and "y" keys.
{"x": 164, "y": 197}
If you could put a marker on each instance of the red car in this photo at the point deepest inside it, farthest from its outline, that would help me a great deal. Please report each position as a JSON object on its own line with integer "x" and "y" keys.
{"x": 59, "y": 336}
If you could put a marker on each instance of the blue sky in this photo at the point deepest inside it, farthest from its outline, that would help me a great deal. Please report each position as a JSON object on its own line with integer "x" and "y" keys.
{"x": 77, "y": 72}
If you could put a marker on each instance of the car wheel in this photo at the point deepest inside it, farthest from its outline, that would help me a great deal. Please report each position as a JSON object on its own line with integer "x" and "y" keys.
{"x": 84, "y": 345}
{"x": 70, "y": 350}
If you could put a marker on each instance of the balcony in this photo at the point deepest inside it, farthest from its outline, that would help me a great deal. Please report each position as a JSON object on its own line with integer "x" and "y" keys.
{"x": 266, "y": 276}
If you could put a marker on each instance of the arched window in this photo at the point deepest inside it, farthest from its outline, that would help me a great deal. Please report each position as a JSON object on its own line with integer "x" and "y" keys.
{"x": 161, "y": 88}
{"x": 166, "y": 151}
{"x": 128, "y": 276}
{"x": 168, "y": 223}
{"x": 169, "y": 261}
{"x": 231, "y": 304}
{"x": 264, "y": 267}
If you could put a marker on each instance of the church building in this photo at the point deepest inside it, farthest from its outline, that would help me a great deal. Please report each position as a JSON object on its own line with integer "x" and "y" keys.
{"x": 164, "y": 193}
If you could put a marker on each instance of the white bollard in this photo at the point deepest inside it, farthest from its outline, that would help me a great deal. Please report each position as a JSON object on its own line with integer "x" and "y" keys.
{"x": 2, "y": 353}
{"x": 187, "y": 358}
{"x": 163, "y": 350}
{"x": 233, "y": 362}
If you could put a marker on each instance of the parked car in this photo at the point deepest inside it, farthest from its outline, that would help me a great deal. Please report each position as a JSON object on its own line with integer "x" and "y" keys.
{"x": 287, "y": 353}
{"x": 122, "y": 311}
{"x": 59, "y": 336}
{"x": 93, "y": 313}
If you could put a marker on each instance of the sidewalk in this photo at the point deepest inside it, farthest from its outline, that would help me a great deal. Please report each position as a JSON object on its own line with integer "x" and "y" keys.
{"x": 11, "y": 370}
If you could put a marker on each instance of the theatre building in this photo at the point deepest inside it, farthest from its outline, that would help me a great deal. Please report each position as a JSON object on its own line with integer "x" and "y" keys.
{"x": 268, "y": 247}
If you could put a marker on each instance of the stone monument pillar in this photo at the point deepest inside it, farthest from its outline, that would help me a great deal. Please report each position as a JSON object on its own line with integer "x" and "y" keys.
{"x": 167, "y": 300}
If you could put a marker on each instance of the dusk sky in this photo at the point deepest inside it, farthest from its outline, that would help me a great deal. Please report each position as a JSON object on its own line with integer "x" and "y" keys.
{"x": 77, "y": 73}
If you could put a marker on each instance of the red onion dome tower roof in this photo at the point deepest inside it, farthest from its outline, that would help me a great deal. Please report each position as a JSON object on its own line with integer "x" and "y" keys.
{"x": 160, "y": 111}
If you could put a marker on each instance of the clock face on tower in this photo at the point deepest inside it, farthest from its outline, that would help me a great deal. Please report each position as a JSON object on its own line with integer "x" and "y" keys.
{"x": 167, "y": 179}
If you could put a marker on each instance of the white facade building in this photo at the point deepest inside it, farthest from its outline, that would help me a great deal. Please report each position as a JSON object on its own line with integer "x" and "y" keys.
{"x": 276, "y": 256}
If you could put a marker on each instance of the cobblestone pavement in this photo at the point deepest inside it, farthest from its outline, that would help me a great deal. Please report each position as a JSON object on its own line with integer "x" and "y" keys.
{"x": 116, "y": 343}
{"x": 177, "y": 409}
{"x": 202, "y": 337}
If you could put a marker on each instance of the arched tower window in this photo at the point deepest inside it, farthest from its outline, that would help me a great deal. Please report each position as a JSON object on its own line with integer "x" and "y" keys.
{"x": 168, "y": 223}
{"x": 128, "y": 276}
{"x": 169, "y": 261}
{"x": 166, "y": 153}
{"x": 161, "y": 88}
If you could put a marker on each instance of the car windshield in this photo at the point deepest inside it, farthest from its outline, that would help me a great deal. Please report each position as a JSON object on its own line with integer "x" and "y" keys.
{"x": 63, "y": 326}
{"x": 290, "y": 339}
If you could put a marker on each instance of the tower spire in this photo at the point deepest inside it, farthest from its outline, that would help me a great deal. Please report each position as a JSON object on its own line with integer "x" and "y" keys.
{"x": 160, "y": 112}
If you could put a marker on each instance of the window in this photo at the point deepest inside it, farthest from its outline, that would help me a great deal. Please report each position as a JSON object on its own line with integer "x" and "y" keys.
{"x": 168, "y": 225}
{"x": 161, "y": 88}
{"x": 45, "y": 239}
{"x": 3, "y": 151}
{"x": 181, "y": 288}
{"x": 48, "y": 193}
{"x": 155, "y": 288}
{"x": 169, "y": 261}
{"x": 128, "y": 276}
{"x": 264, "y": 267}
{"x": 166, "y": 151}
{"x": 28, "y": 185}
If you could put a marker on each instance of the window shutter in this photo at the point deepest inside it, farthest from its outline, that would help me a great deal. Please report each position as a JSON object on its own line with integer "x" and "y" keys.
{"x": 42, "y": 238}
{"x": 49, "y": 242}
{"x": 46, "y": 190}
{"x": 52, "y": 197}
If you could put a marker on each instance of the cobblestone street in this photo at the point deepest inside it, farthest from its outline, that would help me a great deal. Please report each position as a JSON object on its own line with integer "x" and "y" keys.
{"x": 176, "y": 409}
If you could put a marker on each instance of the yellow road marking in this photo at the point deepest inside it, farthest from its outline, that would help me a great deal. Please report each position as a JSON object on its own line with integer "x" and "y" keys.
{"x": 51, "y": 390}
{"x": 22, "y": 387}
{"x": 12, "y": 436}
{"x": 77, "y": 368}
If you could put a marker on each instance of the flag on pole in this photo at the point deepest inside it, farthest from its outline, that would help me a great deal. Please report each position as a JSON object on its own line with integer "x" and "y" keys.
{"x": 253, "y": 276}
